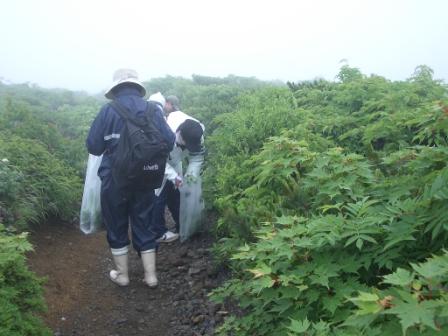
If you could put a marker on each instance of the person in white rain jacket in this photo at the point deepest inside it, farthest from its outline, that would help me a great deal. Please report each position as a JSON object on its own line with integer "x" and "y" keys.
{"x": 189, "y": 145}
{"x": 159, "y": 99}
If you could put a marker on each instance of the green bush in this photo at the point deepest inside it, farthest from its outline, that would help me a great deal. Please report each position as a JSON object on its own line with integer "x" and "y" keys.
{"x": 337, "y": 226}
{"x": 20, "y": 290}
{"x": 41, "y": 184}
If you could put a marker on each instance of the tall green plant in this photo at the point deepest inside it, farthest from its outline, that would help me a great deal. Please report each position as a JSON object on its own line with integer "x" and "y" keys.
{"x": 21, "y": 297}
{"x": 43, "y": 185}
{"x": 336, "y": 209}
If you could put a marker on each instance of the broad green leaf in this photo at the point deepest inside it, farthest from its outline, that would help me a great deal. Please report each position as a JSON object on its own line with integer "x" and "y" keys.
{"x": 359, "y": 243}
{"x": 365, "y": 297}
{"x": 414, "y": 313}
{"x": 434, "y": 267}
{"x": 299, "y": 326}
{"x": 261, "y": 270}
{"x": 400, "y": 277}
{"x": 367, "y": 303}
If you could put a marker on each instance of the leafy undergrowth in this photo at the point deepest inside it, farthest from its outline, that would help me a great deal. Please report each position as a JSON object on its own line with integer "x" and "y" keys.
{"x": 337, "y": 225}
{"x": 20, "y": 290}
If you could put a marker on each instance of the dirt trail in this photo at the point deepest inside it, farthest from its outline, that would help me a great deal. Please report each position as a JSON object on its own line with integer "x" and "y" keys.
{"x": 82, "y": 301}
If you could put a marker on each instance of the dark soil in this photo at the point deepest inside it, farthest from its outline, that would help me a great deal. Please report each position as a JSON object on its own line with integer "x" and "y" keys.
{"x": 82, "y": 300}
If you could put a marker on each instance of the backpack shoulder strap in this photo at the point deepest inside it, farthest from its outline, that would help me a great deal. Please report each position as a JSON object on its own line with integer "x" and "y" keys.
{"x": 151, "y": 109}
{"x": 120, "y": 109}
{"x": 124, "y": 113}
{"x": 150, "y": 112}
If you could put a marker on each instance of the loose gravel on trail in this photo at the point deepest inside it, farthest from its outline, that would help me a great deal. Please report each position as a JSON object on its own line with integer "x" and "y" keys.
{"x": 82, "y": 300}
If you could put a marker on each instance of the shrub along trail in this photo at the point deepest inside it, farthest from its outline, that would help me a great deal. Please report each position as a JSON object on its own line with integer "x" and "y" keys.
{"x": 82, "y": 300}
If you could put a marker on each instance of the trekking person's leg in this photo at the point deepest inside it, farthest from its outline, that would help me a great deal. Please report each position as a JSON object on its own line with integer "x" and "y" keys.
{"x": 173, "y": 202}
{"x": 158, "y": 212}
{"x": 141, "y": 208}
{"x": 159, "y": 222}
{"x": 143, "y": 237}
{"x": 114, "y": 209}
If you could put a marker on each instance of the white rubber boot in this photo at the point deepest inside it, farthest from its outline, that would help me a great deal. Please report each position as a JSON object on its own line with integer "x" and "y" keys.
{"x": 120, "y": 275}
{"x": 149, "y": 265}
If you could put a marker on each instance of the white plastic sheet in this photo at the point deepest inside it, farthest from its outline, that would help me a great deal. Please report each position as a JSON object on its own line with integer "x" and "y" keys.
{"x": 90, "y": 219}
{"x": 191, "y": 207}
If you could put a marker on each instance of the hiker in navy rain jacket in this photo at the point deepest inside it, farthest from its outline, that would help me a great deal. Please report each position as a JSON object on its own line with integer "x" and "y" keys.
{"x": 105, "y": 130}
{"x": 118, "y": 207}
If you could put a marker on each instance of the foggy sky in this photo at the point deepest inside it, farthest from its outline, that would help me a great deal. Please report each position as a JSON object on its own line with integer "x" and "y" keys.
{"x": 78, "y": 44}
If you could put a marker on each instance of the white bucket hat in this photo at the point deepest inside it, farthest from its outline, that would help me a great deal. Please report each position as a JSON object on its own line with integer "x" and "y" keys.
{"x": 158, "y": 98}
{"x": 125, "y": 76}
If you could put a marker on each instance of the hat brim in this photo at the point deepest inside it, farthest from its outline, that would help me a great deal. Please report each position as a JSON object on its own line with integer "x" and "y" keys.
{"x": 110, "y": 95}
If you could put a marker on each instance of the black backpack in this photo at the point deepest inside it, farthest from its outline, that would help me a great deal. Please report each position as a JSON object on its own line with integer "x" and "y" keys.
{"x": 140, "y": 158}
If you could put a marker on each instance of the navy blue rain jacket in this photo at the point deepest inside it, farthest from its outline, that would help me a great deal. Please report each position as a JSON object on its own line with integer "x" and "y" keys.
{"x": 105, "y": 130}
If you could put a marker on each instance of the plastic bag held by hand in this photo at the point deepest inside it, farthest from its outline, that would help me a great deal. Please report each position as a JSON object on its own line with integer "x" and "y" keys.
{"x": 191, "y": 206}
{"x": 90, "y": 219}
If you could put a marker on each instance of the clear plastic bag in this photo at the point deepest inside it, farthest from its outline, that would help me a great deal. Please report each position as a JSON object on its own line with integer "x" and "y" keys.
{"x": 90, "y": 219}
{"x": 191, "y": 207}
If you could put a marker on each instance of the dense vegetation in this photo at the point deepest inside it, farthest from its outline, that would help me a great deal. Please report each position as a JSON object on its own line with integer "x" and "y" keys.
{"x": 41, "y": 166}
{"x": 42, "y": 163}
{"x": 20, "y": 290}
{"x": 331, "y": 197}
{"x": 42, "y": 153}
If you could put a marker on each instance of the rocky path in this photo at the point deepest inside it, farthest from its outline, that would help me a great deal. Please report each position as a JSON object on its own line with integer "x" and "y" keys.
{"x": 82, "y": 300}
